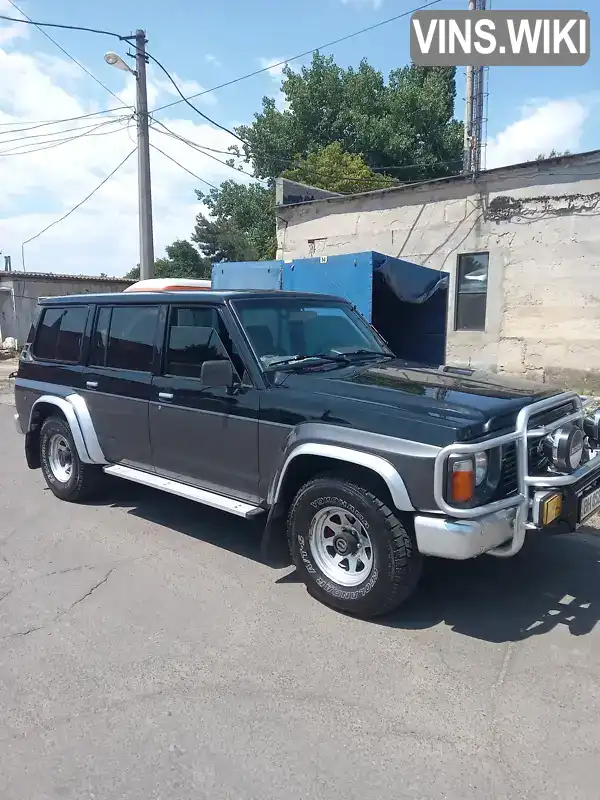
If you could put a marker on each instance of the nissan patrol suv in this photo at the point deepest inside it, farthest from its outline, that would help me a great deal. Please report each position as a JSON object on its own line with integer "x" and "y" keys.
{"x": 291, "y": 406}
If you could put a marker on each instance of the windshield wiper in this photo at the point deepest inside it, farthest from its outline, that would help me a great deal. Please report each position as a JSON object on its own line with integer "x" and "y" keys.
{"x": 364, "y": 352}
{"x": 301, "y": 359}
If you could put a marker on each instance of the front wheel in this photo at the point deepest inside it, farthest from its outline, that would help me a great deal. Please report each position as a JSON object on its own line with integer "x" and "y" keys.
{"x": 351, "y": 550}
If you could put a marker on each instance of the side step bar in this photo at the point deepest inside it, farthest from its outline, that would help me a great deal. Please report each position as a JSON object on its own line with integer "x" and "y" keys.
{"x": 217, "y": 501}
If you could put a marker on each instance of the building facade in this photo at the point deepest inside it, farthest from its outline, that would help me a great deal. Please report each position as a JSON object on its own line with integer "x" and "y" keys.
{"x": 521, "y": 244}
{"x": 20, "y": 291}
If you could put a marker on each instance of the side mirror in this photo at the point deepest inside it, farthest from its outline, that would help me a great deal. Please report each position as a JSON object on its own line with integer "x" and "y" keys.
{"x": 217, "y": 373}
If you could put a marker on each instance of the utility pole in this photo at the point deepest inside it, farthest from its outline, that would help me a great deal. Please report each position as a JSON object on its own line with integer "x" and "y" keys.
{"x": 476, "y": 92}
{"x": 144, "y": 186}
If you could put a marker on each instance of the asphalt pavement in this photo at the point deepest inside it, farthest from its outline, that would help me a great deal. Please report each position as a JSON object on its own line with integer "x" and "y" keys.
{"x": 146, "y": 654}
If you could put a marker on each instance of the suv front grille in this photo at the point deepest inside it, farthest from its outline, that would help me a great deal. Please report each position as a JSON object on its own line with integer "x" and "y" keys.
{"x": 537, "y": 463}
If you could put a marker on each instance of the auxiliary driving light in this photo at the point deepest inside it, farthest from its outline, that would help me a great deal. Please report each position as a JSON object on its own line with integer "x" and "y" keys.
{"x": 591, "y": 426}
{"x": 564, "y": 447}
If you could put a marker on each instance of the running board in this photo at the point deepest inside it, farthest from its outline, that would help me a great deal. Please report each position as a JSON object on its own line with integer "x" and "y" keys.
{"x": 217, "y": 501}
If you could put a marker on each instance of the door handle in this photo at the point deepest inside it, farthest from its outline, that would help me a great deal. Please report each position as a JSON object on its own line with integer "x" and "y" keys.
{"x": 165, "y": 396}
{"x": 91, "y": 384}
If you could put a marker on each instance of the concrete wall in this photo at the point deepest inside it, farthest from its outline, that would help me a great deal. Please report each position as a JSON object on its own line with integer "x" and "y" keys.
{"x": 540, "y": 225}
{"x": 19, "y": 295}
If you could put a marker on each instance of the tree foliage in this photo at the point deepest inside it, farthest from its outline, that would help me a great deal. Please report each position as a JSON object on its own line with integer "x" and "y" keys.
{"x": 404, "y": 127}
{"x": 241, "y": 226}
{"x": 552, "y": 154}
{"x": 345, "y": 130}
{"x": 333, "y": 169}
{"x": 183, "y": 261}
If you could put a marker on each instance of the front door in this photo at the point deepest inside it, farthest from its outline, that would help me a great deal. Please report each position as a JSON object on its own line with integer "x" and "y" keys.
{"x": 205, "y": 436}
{"x": 117, "y": 381}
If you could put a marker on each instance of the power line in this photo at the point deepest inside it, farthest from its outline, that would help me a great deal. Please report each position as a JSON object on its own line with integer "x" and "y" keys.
{"x": 57, "y": 133}
{"x": 301, "y": 55}
{"x": 63, "y": 27}
{"x": 199, "y": 149}
{"x": 234, "y": 80}
{"x": 189, "y": 171}
{"x": 35, "y": 124}
{"x": 184, "y": 99}
{"x": 16, "y": 151}
{"x": 62, "y": 49}
{"x": 68, "y": 214}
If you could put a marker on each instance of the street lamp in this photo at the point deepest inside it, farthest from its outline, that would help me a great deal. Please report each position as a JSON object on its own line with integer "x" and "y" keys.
{"x": 115, "y": 60}
{"x": 144, "y": 190}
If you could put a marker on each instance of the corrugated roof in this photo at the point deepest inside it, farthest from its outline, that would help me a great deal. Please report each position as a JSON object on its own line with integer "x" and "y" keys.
{"x": 15, "y": 275}
{"x": 448, "y": 179}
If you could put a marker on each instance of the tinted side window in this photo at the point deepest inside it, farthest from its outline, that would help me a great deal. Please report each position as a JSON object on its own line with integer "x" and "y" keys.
{"x": 72, "y": 326}
{"x": 99, "y": 345}
{"x": 197, "y": 335}
{"x": 60, "y": 333}
{"x": 124, "y": 337}
{"x": 46, "y": 337}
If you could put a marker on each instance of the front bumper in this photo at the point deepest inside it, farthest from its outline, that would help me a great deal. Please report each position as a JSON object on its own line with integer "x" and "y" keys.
{"x": 502, "y": 532}
{"x": 463, "y": 538}
{"x": 18, "y": 425}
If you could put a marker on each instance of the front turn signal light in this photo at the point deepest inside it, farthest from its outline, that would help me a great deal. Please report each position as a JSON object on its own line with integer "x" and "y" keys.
{"x": 462, "y": 480}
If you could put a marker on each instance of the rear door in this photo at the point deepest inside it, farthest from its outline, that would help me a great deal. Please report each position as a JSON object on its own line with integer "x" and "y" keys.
{"x": 117, "y": 380}
{"x": 201, "y": 435}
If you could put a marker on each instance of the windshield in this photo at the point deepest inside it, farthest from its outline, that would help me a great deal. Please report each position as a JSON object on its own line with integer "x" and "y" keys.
{"x": 288, "y": 329}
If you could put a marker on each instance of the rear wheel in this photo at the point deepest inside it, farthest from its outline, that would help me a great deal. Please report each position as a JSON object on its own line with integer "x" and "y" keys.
{"x": 65, "y": 474}
{"x": 352, "y": 551}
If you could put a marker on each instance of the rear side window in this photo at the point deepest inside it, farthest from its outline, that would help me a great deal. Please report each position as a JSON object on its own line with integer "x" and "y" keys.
{"x": 124, "y": 337}
{"x": 60, "y": 333}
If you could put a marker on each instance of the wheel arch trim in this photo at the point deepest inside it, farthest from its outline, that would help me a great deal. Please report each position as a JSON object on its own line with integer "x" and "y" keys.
{"x": 375, "y": 463}
{"x": 80, "y": 422}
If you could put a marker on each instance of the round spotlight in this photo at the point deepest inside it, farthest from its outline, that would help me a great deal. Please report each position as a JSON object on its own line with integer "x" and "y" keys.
{"x": 564, "y": 447}
{"x": 591, "y": 426}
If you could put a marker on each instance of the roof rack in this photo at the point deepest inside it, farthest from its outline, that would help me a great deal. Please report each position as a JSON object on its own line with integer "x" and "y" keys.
{"x": 169, "y": 285}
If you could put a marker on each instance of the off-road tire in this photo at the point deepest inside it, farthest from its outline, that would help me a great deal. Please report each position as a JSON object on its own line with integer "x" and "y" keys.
{"x": 85, "y": 479}
{"x": 397, "y": 563}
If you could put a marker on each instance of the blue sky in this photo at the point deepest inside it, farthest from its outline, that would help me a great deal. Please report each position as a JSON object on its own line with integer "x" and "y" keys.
{"x": 205, "y": 44}
{"x": 238, "y": 34}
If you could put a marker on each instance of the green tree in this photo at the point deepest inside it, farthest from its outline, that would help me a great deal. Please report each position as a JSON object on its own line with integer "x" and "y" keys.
{"x": 241, "y": 226}
{"x": 183, "y": 261}
{"x": 404, "y": 127}
{"x": 333, "y": 169}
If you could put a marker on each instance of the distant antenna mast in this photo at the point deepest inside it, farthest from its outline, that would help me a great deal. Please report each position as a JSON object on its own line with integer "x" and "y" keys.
{"x": 475, "y": 109}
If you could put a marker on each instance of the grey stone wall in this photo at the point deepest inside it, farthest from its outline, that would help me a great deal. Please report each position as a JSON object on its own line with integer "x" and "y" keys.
{"x": 19, "y": 295}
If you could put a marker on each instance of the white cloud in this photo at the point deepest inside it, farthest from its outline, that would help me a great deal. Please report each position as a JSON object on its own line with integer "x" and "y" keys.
{"x": 547, "y": 125}
{"x": 275, "y": 68}
{"x": 38, "y": 188}
{"x": 11, "y": 31}
{"x": 212, "y": 60}
{"x": 187, "y": 88}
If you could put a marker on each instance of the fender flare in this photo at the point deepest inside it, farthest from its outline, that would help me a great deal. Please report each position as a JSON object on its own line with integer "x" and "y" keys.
{"x": 375, "y": 463}
{"x": 80, "y": 422}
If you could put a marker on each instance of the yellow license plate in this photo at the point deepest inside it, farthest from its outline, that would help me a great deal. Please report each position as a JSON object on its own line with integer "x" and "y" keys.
{"x": 551, "y": 509}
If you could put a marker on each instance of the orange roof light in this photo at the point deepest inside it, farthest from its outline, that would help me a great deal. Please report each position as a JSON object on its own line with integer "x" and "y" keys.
{"x": 169, "y": 285}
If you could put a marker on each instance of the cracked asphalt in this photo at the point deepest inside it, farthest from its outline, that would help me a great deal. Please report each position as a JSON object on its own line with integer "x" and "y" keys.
{"x": 145, "y": 653}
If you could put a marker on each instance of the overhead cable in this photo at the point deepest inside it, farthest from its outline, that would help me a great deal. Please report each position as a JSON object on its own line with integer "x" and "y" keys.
{"x": 62, "y": 49}
{"x": 189, "y": 171}
{"x": 68, "y": 214}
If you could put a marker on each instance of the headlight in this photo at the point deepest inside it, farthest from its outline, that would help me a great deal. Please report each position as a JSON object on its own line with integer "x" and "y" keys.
{"x": 564, "y": 447}
{"x": 591, "y": 426}
{"x": 481, "y": 467}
